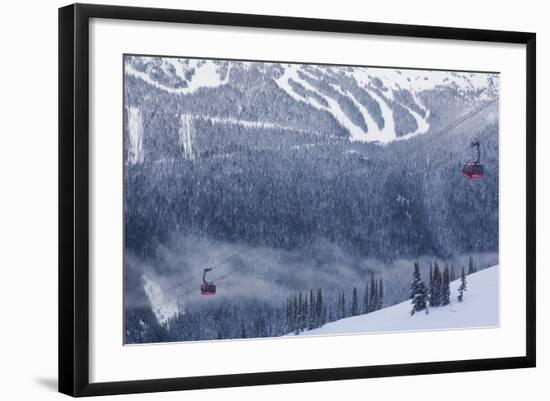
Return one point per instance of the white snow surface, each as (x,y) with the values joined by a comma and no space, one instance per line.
(479,308)
(163,308)
(185,135)
(135,131)
(251,124)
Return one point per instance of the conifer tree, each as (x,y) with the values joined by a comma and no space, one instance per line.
(287,316)
(305,310)
(330,316)
(354,311)
(418,291)
(462,286)
(311,313)
(243,330)
(295,327)
(300,316)
(344,313)
(435,289)
(380,295)
(319,308)
(373,291)
(366,299)
(445,287)
(453,276)
(471,267)
(338,307)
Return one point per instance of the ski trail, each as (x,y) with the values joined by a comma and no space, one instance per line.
(185,136)
(387,133)
(356,133)
(165,310)
(135,134)
(282,82)
(255,124)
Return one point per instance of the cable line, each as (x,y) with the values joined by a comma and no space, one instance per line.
(454,124)
(197,288)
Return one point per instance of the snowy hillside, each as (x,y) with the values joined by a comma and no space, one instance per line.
(369,104)
(480,308)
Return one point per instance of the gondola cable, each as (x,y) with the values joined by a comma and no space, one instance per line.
(197,288)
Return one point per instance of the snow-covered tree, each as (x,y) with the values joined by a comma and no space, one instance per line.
(445,287)
(320,309)
(330,315)
(418,291)
(435,287)
(471,267)
(311,312)
(305,310)
(296,314)
(380,297)
(354,309)
(373,294)
(341,306)
(344,311)
(365,308)
(462,286)
(243,329)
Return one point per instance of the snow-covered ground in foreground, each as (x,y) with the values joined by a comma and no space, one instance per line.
(480,308)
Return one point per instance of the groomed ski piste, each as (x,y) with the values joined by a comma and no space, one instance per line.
(479,309)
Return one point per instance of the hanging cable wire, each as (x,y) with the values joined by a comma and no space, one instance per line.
(460,120)
(180,283)
(197,288)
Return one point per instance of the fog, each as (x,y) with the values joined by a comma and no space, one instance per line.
(245,273)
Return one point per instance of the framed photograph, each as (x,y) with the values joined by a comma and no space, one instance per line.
(250,199)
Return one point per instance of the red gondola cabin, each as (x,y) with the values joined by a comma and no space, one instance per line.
(474,169)
(207,287)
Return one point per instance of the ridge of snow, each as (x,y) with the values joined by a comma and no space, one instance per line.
(415,80)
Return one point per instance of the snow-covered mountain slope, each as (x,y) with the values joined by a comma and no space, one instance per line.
(371,104)
(480,308)
(177,76)
(163,308)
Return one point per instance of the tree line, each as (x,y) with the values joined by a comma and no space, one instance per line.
(300,312)
(303,313)
(437,292)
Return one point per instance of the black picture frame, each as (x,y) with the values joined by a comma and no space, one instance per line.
(74,198)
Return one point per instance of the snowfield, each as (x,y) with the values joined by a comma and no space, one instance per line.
(480,308)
